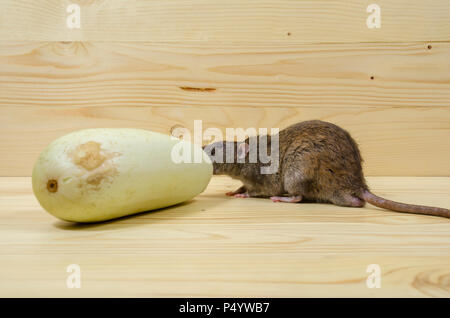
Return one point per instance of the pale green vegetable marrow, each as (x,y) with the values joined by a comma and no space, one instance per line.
(99,174)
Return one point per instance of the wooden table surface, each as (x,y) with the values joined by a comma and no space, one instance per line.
(220,246)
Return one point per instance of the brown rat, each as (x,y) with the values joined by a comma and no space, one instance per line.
(318,161)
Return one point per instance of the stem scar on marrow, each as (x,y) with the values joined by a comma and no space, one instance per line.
(52,185)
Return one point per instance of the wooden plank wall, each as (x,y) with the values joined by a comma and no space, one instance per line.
(237,63)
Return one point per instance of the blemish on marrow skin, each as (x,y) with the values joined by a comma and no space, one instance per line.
(66,180)
(96,161)
(96,178)
(198,89)
(88,155)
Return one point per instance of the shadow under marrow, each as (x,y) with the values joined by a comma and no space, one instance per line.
(176,211)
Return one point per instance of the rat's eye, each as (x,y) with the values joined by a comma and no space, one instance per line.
(213,151)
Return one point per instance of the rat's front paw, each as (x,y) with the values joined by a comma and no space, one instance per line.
(238,191)
(241,195)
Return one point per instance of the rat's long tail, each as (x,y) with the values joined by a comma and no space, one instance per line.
(403,207)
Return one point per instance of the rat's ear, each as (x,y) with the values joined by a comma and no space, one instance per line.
(242,150)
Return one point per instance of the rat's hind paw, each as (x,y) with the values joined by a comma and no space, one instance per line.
(294,199)
(348,200)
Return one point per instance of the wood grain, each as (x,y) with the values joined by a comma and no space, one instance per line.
(401,118)
(220,246)
(226,21)
(149,74)
(393,141)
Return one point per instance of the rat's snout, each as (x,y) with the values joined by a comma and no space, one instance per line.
(208,149)
(213,153)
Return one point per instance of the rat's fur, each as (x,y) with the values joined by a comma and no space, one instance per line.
(318,161)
